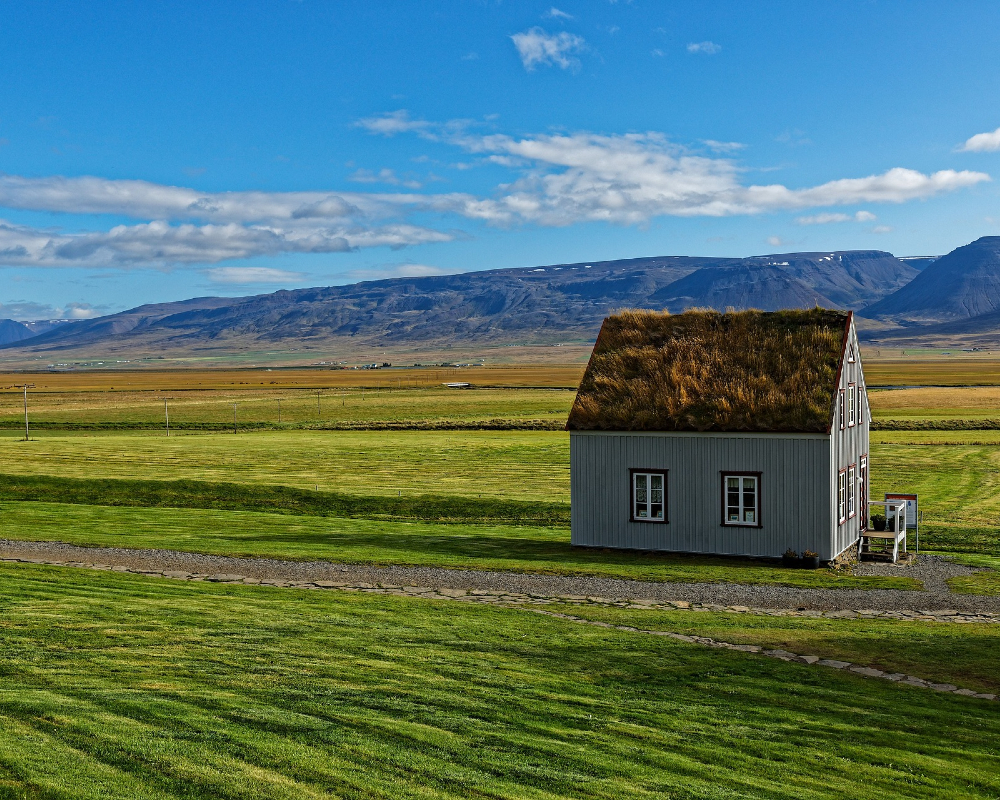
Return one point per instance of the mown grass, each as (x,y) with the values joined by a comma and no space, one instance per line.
(957,477)
(524,465)
(936,403)
(384,542)
(956,473)
(964,655)
(118,686)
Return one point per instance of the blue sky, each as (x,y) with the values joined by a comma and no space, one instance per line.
(159,151)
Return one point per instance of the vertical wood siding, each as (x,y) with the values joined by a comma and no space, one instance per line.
(849,445)
(794,499)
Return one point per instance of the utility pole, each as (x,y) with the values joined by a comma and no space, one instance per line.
(25,386)
(166,413)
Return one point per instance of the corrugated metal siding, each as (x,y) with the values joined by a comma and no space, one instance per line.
(795,499)
(849,445)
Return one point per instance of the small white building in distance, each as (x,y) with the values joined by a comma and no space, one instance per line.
(744,433)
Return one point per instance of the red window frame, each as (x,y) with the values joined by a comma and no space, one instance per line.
(842,409)
(852,491)
(842,504)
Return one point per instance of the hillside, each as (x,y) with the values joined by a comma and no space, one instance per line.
(534,305)
(963,284)
(11,331)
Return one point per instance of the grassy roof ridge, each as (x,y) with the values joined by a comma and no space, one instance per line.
(709,371)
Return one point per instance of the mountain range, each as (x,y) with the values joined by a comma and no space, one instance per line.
(903,299)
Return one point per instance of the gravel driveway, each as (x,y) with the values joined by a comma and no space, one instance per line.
(931,570)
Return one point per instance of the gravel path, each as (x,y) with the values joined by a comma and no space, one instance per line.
(933,571)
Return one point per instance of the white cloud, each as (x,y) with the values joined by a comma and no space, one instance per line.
(536,46)
(982,142)
(159,243)
(80,311)
(723,147)
(775,241)
(392,123)
(826,219)
(632,178)
(407,270)
(709,48)
(882,229)
(384,176)
(555,13)
(26,311)
(251,275)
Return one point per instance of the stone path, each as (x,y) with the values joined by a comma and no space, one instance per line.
(497,588)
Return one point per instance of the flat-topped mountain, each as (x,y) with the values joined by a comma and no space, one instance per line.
(551,304)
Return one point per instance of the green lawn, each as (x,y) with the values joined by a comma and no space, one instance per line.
(456,546)
(962,654)
(119,686)
(521,464)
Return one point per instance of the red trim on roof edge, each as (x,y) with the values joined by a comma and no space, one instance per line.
(840,370)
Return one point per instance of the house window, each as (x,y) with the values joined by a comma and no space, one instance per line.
(852,404)
(861,406)
(649,496)
(842,496)
(850,353)
(741,499)
(851,490)
(843,410)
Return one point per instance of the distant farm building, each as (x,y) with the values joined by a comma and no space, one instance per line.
(743,433)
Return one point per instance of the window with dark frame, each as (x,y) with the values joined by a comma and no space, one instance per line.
(649,495)
(741,499)
(842,408)
(850,353)
(842,496)
(851,490)
(861,406)
(852,404)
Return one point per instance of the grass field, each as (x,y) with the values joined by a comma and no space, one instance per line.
(519,548)
(956,474)
(964,655)
(119,686)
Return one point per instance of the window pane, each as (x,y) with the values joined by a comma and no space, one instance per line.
(640,510)
(733,483)
(656,512)
(655,481)
(640,481)
(748,516)
(656,495)
(640,495)
(750,484)
(749,500)
(733,499)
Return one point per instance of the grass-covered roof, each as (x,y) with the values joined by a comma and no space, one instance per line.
(708,371)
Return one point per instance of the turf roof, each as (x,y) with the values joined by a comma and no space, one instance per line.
(708,371)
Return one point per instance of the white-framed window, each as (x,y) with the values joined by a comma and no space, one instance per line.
(852,404)
(649,495)
(842,409)
(851,358)
(851,490)
(861,406)
(741,499)
(842,496)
